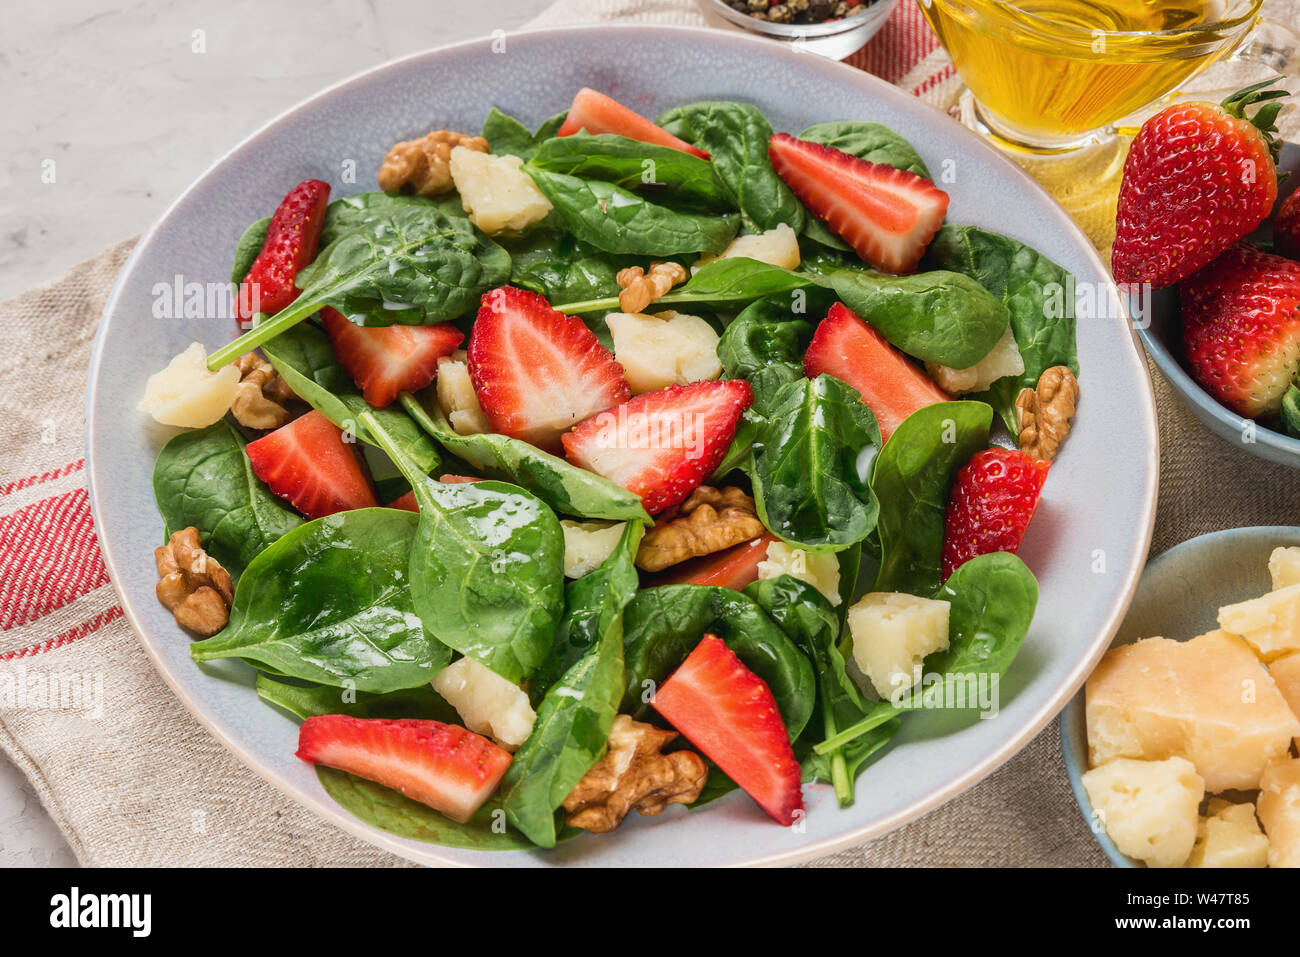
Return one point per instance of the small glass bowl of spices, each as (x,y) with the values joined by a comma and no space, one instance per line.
(831,28)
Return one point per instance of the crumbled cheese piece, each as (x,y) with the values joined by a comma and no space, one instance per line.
(1149,808)
(494,191)
(457,397)
(588,544)
(486,702)
(670,348)
(892,633)
(187,394)
(819,569)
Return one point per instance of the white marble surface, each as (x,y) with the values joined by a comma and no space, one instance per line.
(127,103)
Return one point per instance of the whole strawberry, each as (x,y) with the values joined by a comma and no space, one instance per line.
(992,499)
(1241,328)
(1286,227)
(1198,178)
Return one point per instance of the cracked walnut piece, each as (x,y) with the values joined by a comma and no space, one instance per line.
(707,522)
(192,586)
(640,288)
(423,166)
(633,774)
(1044,413)
(260,395)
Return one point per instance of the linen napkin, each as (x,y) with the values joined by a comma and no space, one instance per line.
(132,779)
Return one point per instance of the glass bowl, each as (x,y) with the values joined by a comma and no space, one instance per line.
(834,39)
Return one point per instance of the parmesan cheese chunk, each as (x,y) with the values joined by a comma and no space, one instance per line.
(457,397)
(1229,837)
(1284,567)
(588,544)
(1270,624)
(670,348)
(1286,675)
(486,702)
(186,394)
(892,633)
(778,246)
(1207,700)
(1149,808)
(1003,359)
(1279,809)
(819,569)
(495,192)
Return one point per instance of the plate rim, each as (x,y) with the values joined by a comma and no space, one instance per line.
(1145,397)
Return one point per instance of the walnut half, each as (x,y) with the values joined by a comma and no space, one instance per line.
(708,521)
(261,394)
(423,166)
(193,586)
(1044,413)
(640,288)
(634,774)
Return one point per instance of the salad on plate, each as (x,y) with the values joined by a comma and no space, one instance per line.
(614,465)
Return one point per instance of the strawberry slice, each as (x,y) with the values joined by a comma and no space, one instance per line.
(442,765)
(887,215)
(662,445)
(726,711)
(538,372)
(308,463)
(291,242)
(385,361)
(735,567)
(407,502)
(597,113)
(891,385)
(992,499)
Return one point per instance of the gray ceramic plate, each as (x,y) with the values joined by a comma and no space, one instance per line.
(1087,543)
(1163,340)
(1179,597)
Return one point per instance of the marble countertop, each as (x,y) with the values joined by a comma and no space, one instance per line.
(113,108)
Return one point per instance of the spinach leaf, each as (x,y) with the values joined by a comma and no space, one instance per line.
(247,249)
(593,604)
(738,453)
(203,478)
(993,598)
(910,477)
(330,603)
(563,269)
(576,713)
(764,345)
(411,264)
(735,135)
(728,284)
(506,135)
(486,567)
(355,212)
(873,142)
(1038,294)
(662,625)
(307,700)
(565,487)
(304,357)
(395,813)
(942,317)
(805,474)
(666,174)
(612,219)
(1291,412)
(813,625)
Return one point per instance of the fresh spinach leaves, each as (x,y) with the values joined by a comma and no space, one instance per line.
(562,268)
(248,248)
(617,221)
(806,480)
(330,602)
(910,478)
(507,136)
(735,135)
(566,488)
(873,142)
(203,478)
(1038,294)
(350,213)
(577,711)
(420,702)
(486,567)
(764,345)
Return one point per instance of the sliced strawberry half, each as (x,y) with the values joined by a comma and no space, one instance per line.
(597,113)
(442,765)
(308,463)
(886,214)
(385,361)
(292,239)
(891,385)
(735,567)
(992,499)
(538,372)
(662,445)
(728,712)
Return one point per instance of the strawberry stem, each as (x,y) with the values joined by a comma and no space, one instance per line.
(1265,118)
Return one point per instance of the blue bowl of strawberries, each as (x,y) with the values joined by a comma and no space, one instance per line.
(1208,245)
